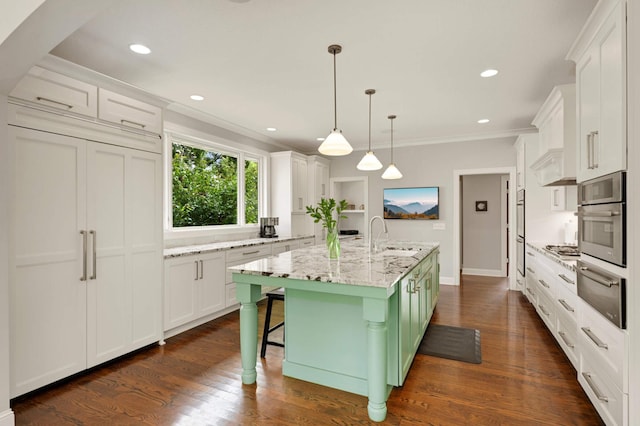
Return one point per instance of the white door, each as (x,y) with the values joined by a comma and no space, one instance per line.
(48,297)
(124,283)
(180,290)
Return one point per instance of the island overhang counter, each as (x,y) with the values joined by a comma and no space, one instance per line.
(352,324)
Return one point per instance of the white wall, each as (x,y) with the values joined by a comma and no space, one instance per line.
(481,231)
(428,165)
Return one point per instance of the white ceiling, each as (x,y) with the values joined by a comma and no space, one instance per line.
(264,63)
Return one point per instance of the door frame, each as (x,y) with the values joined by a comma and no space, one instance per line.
(457,244)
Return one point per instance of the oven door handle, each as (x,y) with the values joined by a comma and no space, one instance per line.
(599,214)
(600,279)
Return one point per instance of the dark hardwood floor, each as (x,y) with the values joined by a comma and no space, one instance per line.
(524,379)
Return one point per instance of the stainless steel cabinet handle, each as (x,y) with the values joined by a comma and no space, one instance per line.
(411,286)
(197,270)
(566,279)
(544,311)
(201,269)
(567,342)
(594,388)
(322,192)
(125,122)
(247,253)
(566,305)
(41,99)
(529,291)
(589,149)
(598,214)
(599,343)
(84,255)
(531,270)
(95,263)
(597,277)
(530,254)
(544,283)
(594,140)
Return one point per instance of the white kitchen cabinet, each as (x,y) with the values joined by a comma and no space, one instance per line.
(284,246)
(238,256)
(600,57)
(318,186)
(194,287)
(128,112)
(556,163)
(289,193)
(56,91)
(86,253)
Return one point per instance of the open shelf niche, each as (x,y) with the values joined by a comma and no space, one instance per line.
(355,190)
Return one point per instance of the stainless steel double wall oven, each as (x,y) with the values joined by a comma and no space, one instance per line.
(602,235)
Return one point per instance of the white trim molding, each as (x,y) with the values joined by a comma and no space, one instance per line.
(457,174)
(482,272)
(7,418)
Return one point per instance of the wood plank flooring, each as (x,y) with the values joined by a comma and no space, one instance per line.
(524,379)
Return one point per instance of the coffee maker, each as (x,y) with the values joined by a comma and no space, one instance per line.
(268,227)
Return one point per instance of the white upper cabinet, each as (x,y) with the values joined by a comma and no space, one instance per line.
(290,193)
(599,53)
(53,90)
(127,112)
(555,121)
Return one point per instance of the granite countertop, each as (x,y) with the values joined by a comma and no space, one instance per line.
(356,266)
(224,245)
(570,264)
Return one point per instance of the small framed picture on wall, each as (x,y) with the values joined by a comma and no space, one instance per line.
(481,206)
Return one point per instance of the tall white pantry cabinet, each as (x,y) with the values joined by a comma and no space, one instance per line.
(85,243)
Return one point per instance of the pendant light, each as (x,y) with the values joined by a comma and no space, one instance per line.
(335,144)
(392,171)
(369,161)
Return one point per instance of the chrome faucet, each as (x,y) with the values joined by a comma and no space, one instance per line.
(374,246)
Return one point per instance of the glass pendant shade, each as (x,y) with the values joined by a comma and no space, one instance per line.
(369,162)
(392,172)
(335,144)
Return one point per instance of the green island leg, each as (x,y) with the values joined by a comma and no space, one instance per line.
(248,295)
(376,313)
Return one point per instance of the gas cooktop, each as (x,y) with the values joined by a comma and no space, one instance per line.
(563,250)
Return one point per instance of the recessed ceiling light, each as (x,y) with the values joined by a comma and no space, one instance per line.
(319,139)
(140,49)
(271,129)
(483,120)
(488,73)
(197,97)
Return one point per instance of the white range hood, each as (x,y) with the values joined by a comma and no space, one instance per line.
(556,122)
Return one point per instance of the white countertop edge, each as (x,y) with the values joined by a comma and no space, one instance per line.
(224,245)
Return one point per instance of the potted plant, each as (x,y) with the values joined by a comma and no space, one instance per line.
(324,212)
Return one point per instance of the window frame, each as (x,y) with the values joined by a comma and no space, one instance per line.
(225,147)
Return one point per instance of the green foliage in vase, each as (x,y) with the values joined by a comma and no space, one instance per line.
(323,212)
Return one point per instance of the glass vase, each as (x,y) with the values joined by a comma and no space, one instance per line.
(333,244)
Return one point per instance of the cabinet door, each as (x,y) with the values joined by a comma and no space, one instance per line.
(211,283)
(129,112)
(124,285)
(406,341)
(180,274)
(47,296)
(57,91)
(601,86)
(299,185)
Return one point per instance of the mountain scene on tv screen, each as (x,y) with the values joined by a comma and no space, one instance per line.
(413,210)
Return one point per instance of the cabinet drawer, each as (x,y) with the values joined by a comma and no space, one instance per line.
(567,337)
(547,311)
(129,112)
(604,343)
(307,242)
(277,248)
(247,254)
(611,403)
(567,303)
(57,91)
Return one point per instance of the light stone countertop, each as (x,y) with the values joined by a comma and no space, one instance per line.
(224,245)
(570,264)
(356,265)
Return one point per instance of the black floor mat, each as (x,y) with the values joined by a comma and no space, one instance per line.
(444,341)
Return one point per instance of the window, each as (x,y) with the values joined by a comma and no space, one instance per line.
(212,185)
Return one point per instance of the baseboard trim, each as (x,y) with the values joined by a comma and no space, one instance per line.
(482,272)
(446,280)
(7,418)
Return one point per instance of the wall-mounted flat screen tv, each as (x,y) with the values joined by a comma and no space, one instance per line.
(411,203)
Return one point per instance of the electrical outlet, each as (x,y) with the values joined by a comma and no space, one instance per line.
(439,226)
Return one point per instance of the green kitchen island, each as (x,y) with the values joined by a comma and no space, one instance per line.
(353,324)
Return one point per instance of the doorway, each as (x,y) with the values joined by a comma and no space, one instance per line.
(482,214)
